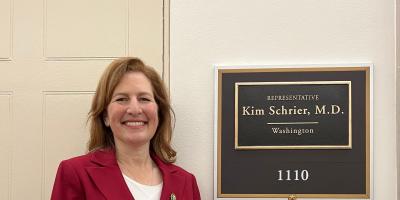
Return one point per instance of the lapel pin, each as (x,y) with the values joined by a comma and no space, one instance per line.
(172,197)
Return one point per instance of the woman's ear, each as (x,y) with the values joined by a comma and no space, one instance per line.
(106,120)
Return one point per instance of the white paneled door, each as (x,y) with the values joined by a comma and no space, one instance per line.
(52,53)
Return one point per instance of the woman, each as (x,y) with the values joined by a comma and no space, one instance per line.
(130,154)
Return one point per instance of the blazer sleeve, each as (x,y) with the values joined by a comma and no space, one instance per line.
(196,192)
(67,185)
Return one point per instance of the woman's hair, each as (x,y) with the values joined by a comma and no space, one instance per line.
(101,136)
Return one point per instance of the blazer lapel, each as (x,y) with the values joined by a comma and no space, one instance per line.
(173,184)
(108,177)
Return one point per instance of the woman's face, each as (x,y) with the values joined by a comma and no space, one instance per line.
(133,112)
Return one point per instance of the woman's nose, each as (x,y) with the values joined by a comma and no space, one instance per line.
(134,108)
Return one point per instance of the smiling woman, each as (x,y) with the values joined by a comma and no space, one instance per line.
(132,112)
(130,154)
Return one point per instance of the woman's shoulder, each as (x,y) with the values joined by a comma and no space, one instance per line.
(171,168)
(90,158)
(78,160)
(176,177)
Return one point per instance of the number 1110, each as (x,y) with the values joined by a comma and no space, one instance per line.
(293,175)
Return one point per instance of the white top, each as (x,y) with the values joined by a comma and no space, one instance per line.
(143,192)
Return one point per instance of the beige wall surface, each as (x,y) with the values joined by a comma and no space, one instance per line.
(214,32)
(398,90)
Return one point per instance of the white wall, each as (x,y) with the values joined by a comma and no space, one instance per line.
(398,89)
(215,32)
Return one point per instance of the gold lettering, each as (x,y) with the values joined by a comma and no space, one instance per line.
(335,109)
(251,111)
(319,110)
(273,110)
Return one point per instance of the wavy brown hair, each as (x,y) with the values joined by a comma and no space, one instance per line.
(102,137)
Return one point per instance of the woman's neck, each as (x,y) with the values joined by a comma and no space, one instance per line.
(137,157)
(136,163)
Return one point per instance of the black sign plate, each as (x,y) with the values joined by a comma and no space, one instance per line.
(300,132)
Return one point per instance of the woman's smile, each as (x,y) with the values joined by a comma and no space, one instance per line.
(134,124)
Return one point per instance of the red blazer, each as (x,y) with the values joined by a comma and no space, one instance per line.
(96,176)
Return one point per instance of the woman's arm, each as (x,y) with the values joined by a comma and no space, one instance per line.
(67,185)
(196,192)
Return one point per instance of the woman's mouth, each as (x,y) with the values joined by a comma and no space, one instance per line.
(134,123)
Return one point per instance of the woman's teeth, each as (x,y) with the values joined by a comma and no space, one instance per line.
(134,123)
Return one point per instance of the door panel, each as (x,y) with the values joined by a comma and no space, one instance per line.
(63,109)
(86,29)
(5,144)
(5,33)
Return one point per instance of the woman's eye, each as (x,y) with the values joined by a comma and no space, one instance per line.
(144,99)
(121,99)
